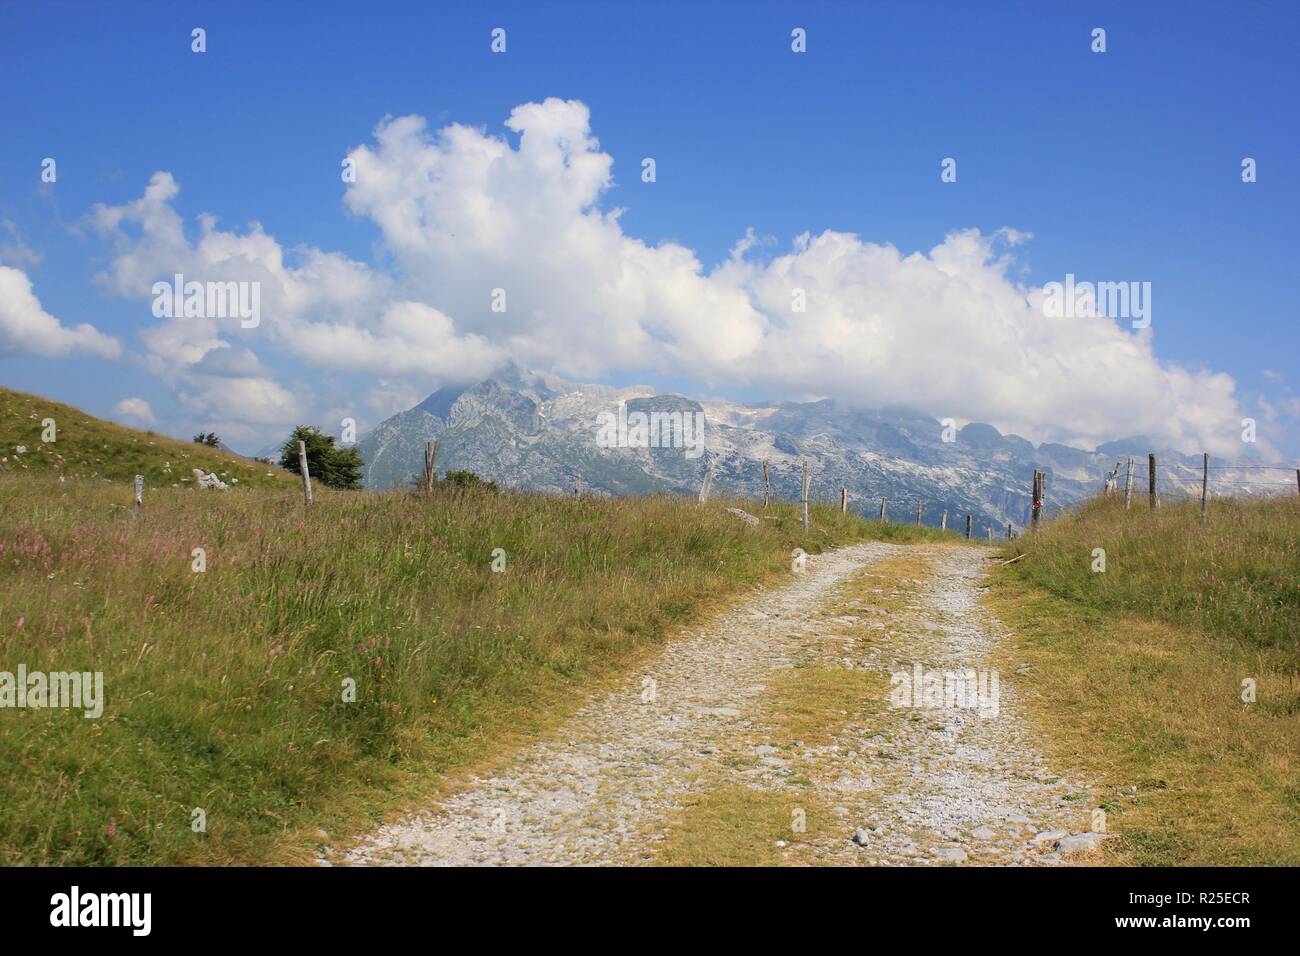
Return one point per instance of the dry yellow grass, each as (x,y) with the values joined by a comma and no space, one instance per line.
(809,705)
(1140,671)
(735,824)
(743,824)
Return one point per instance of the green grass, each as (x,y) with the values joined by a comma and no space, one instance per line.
(224,688)
(1237,575)
(85,447)
(900,533)
(1137,672)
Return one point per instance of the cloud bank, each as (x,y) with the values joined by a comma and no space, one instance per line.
(471,220)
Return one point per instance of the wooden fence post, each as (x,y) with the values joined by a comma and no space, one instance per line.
(139,494)
(804,498)
(306,476)
(767,487)
(989,529)
(1008,530)
(577,486)
(1128,484)
(430,465)
(943,522)
(844,500)
(968,527)
(1151,479)
(918,511)
(1109,485)
(1205,485)
(1297,481)
(708,483)
(883,500)
(1035,502)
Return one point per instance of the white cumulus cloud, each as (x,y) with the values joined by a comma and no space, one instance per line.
(470,218)
(27,329)
(948,331)
(135,410)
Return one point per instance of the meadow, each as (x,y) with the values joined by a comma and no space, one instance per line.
(228,688)
(1171,677)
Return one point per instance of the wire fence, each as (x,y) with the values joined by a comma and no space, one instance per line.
(1219,479)
(1174,483)
(1179,483)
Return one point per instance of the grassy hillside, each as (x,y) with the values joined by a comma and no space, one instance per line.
(225,686)
(89,447)
(1139,671)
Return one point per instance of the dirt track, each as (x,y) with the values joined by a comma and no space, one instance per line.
(949,785)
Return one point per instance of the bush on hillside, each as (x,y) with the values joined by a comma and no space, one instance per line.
(327,463)
(467,479)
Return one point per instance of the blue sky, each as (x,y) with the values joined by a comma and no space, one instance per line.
(1123,166)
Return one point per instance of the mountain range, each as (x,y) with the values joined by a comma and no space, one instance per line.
(529,430)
